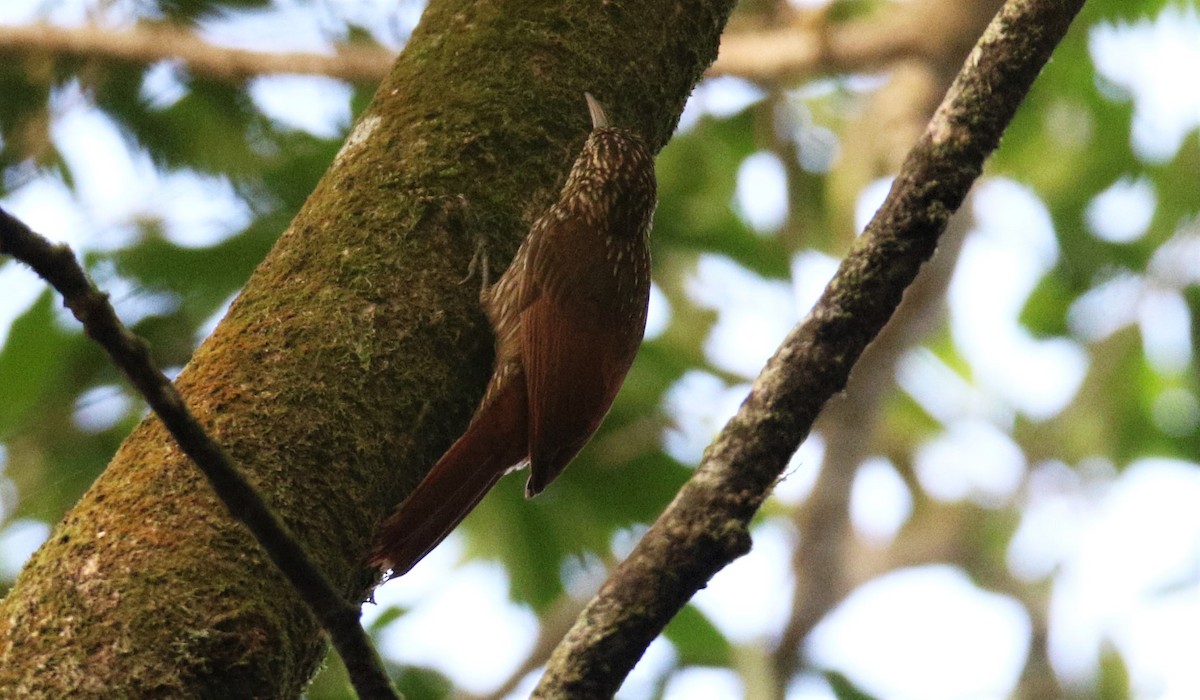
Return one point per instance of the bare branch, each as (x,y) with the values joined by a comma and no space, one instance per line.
(808,47)
(804,50)
(794,52)
(847,423)
(812,45)
(706,526)
(362,64)
(57,265)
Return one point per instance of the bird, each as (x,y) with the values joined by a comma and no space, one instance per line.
(568,317)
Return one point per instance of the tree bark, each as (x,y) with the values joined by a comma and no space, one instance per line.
(352,358)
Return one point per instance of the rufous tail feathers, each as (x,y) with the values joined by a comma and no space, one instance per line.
(455,485)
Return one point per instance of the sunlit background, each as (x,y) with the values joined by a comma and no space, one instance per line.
(1025,515)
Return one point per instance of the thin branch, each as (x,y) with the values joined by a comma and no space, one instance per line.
(792,53)
(812,45)
(707,525)
(806,49)
(58,266)
(848,425)
(360,64)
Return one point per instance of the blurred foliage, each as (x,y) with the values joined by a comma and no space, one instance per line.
(1070,142)
(844,689)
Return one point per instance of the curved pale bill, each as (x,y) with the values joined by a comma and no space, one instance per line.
(599,118)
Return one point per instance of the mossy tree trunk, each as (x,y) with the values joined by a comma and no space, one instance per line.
(352,358)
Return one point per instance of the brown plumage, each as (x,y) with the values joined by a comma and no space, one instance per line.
(568,316)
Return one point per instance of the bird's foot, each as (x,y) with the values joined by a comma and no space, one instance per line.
(479,264)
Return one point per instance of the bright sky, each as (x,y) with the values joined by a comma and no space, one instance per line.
(1124,548)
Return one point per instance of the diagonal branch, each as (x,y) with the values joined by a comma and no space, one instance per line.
(706,526)
(57,265)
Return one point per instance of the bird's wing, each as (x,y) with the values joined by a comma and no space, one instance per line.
(574,361)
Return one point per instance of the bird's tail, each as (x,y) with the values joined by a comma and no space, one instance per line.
(495,441)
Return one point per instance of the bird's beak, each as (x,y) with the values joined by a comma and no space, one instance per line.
(599,118)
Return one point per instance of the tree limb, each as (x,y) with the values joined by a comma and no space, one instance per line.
(802,50)
(812,45)
(57,265)
(358,64)
(351,358)
(791,53)
(882,135)
(706,526)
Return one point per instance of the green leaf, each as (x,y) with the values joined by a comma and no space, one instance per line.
(697,640)
(843,688)
(187,11)
(32,362)
(1113,681)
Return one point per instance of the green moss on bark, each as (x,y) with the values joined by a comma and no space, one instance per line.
(352,358)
